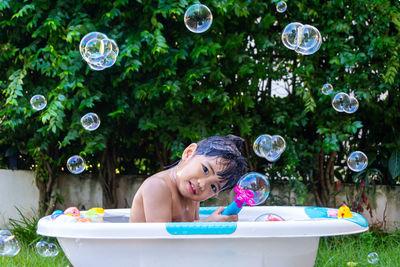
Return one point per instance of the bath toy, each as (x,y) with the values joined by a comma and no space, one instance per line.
(332,213)
(93,215)
(56,213)
(99,210)
(83,220)
(73,211)
(269,217)
(252,189)
(344,212)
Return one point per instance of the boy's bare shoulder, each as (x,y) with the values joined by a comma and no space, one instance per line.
(157,184)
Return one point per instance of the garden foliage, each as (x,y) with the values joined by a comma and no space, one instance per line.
(170,87)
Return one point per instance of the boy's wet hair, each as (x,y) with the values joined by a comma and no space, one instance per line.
(229,148)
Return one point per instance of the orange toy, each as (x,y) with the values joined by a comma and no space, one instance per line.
(83,220)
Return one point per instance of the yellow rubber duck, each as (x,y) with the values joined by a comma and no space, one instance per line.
(344,212)
(99,210)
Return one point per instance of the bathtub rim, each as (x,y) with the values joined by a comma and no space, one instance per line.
(244,229)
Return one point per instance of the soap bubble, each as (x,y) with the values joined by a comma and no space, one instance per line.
(353,105)
(87,38)
(52,250)
(95,67)
(281,7)
(262,145)
(357,161)
(289,35)
(76,164)
(373,258)
(309,40)
(198,18)
(90,121)
(42,248)
(304,39)
(38,102)
(15,248)
(272,156)
(269,217)
(111,53)
(278,144)
(277,148)
(258,184)
(98,50)
(327,89)
(5,233)
(9,245)
(269,147)
(340,102)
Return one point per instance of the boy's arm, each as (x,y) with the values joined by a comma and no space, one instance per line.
(157,201)
(216,216)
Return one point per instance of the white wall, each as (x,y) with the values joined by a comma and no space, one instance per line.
(18,189)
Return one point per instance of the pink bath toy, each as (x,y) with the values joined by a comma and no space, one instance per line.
(73,211)
(332,212)
(243,196)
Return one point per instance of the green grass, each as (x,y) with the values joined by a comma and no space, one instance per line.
(339,250)
(28,257)
(333,252)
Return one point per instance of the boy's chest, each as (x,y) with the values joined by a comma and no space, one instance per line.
(183,213)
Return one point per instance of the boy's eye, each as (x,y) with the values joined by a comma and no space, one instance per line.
(214,188)
(205,169)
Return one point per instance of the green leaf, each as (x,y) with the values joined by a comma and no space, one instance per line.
(394,164)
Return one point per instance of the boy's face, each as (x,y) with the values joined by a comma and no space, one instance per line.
(197,177)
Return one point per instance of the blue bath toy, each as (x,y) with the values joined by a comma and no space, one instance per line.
(56,213)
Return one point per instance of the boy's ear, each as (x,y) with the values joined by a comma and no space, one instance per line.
(189,151)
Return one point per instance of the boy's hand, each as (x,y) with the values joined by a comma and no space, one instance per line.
(216,216)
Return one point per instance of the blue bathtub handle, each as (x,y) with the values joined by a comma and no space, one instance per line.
(232,209)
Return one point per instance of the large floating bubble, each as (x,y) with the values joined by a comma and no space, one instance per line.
(76,164)
(357,161)
(198,18)
(52,250)
(269,217)
(98,51)
(90,121)
(269,147)
(304,39)
(262,145)
(327,89)
(353,105)
(9,245)
(289,35)
(41,248)
(340,102)
(373,258)
(309,40)
(277,148)
(38,102)
(87,38)
(281,7)
(258,184)
(5,233)
(278,144)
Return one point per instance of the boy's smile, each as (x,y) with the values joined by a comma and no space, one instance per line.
(192,188)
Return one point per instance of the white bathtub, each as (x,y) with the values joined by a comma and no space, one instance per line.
(115,242)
